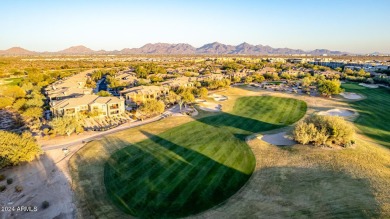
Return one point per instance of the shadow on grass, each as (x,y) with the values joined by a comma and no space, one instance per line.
(168,176)
(157,178)
(187,169)
(240,126)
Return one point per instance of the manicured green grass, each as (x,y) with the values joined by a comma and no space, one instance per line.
(195,166)
(374,119)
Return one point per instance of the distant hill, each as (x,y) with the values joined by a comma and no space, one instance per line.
(215,48)
(77,50)
(18,51)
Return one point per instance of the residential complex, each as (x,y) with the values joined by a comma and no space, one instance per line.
(104,106)
(137,95)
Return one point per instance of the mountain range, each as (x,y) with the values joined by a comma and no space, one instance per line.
(178,49)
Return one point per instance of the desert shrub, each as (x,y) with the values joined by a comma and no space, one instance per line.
(10,181)
(18,188)
(15,148)
(45,204)
(2,188)
(2,177)
(152,107)
(324,130)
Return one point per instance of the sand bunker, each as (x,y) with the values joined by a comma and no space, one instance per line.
(218,97)
(337,112)
(199,100)
(279,139)
(210,107)
(351,96)
(369,85)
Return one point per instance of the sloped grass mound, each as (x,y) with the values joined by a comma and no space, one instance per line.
(195,166)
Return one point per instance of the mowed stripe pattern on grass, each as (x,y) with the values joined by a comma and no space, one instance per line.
(195,166)
(374,112)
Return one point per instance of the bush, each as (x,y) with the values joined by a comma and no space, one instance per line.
(324,130)
(2,177)
(15,148)
(18,188)
(45,204)
(10,181)
(2,188)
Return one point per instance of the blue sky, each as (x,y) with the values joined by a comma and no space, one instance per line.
(346,25)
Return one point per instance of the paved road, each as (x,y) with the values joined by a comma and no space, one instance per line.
(83,139)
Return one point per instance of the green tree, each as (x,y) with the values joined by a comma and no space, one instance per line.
(141,72)
(34,76)
(151,107)
(18,104)
(258,78)
(13,92)
(307,81)
(329,87)
(103,93)
(348,71)
(171,98)
(155,79)
(15,148)
(5,102)
(248,79)
(285,75)
(33,113)
(186,97)
(66,125)
(202,93)
(236,79)
(35,101)
(114,83)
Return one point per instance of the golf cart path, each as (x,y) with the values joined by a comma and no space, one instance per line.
(80,139)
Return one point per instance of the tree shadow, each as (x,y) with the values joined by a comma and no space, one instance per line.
(164,177)
(157,178)
(238,123)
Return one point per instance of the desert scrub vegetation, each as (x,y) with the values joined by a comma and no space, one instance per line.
(45,204)
(15,148)
(324,131)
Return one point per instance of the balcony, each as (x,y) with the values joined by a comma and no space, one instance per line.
(114,106)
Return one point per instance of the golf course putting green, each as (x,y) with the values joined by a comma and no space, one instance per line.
(195,166)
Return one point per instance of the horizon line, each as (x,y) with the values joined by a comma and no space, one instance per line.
(101,49)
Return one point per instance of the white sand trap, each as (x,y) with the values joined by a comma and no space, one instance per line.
(210,107)
(337,112)
(369,85)
(199,100)
(351,96)
(279,139)
(218,97)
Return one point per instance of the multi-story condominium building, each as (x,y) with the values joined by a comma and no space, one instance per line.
(70,87)
(105,106)
(136,95)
